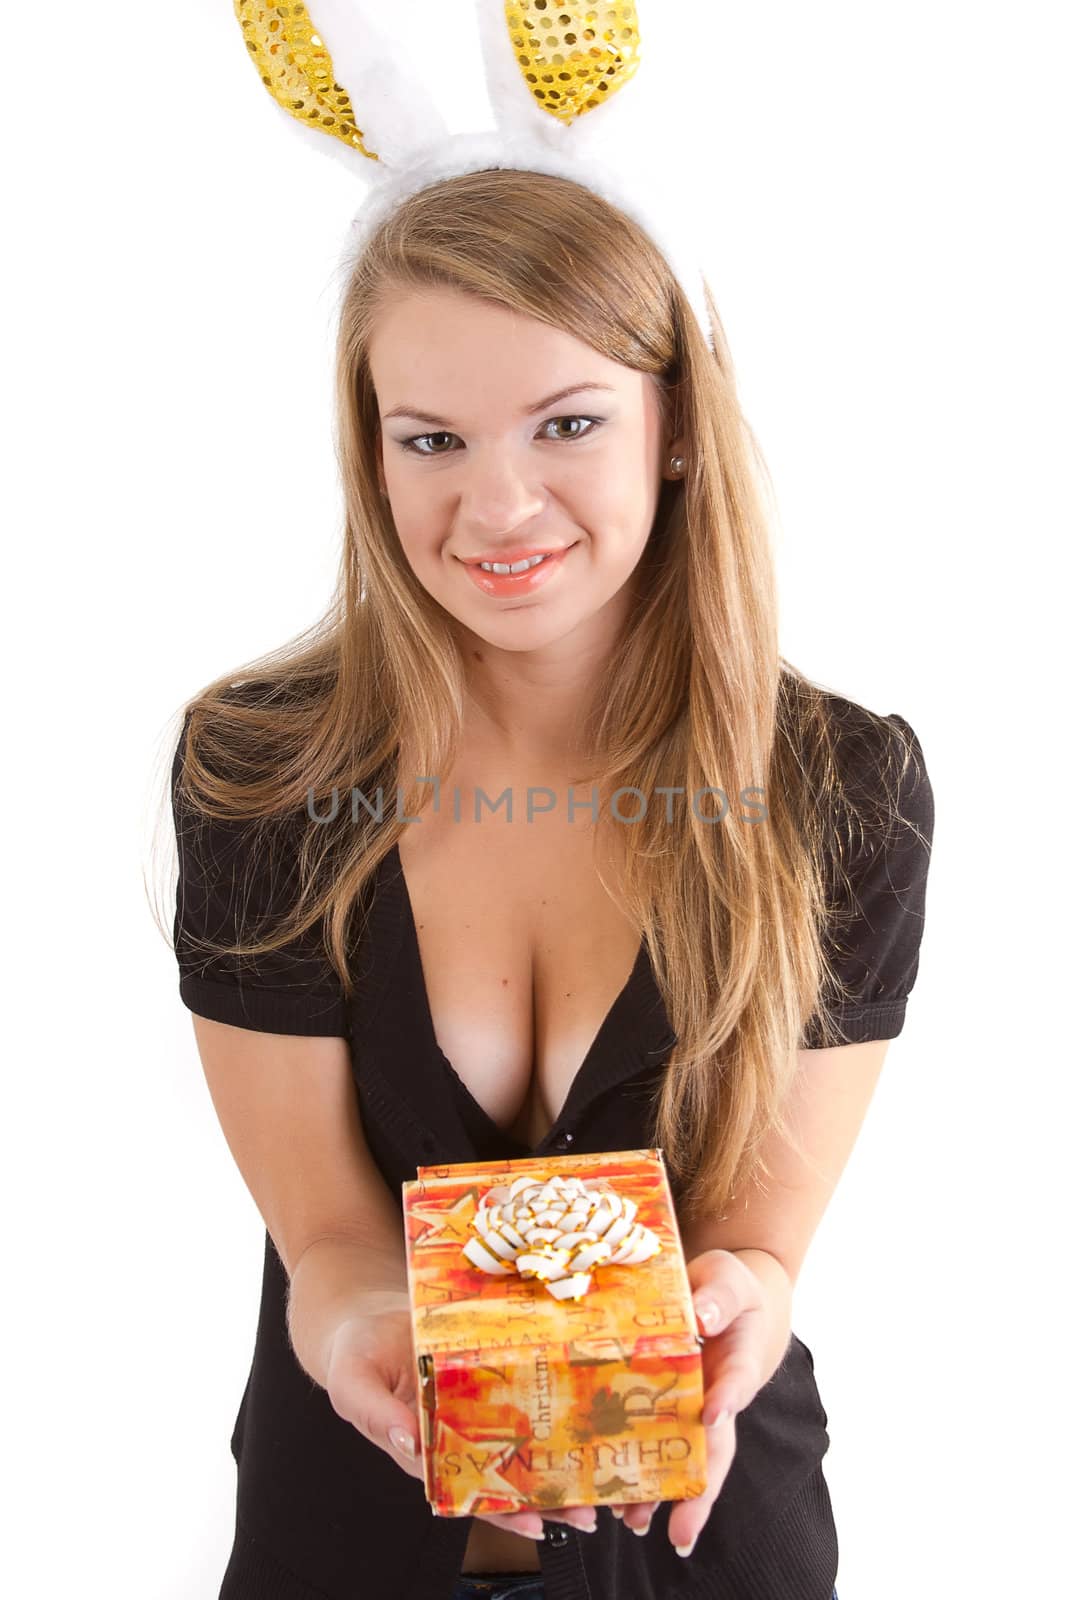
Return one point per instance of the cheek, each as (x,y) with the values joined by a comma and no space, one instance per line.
(622,490)
(618,511)
(418,522)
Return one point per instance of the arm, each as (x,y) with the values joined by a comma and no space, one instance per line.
(290,1115)
(747,1264)
(771,1227)
(288,1110)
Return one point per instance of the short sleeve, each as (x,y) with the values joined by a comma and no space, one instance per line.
(874,941)
(232,887)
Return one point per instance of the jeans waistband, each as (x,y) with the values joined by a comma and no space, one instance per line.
(500,1586)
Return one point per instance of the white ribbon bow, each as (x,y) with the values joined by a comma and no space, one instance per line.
(557,1230)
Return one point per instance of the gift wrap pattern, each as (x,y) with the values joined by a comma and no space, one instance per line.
(528,1400)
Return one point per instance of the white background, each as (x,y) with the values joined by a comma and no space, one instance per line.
(882,203)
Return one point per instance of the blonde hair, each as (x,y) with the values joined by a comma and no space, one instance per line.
(737,916)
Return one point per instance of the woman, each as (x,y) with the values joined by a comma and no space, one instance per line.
(712,962)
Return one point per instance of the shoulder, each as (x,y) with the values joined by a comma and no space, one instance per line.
(875,818)
(859,770)
(881,791)
(244,749)
(238,837)
(871,738)
(213,720)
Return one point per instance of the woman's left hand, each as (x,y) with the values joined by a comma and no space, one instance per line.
(742,1348)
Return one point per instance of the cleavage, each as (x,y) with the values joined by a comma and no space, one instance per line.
(523,956)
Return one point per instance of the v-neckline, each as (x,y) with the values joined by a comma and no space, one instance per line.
(641,966)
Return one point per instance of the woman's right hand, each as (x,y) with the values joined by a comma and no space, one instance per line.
(371,1384)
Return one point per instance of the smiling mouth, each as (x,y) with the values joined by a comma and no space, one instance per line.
(517,564)
(499,579)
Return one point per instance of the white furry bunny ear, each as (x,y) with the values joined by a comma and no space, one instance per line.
(564,84)
(338,75)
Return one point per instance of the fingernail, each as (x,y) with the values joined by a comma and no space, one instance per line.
(587,1526)
(642,1529)
(685,1549)
(720,1417)
(527,1533)
(616,1511)
(402,1441)
(707,1314)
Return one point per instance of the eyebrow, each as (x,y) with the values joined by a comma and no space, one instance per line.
(538,405)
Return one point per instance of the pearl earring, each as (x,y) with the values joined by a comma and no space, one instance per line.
(677,463)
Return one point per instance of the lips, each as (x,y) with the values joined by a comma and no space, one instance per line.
(501,585)
(511,557)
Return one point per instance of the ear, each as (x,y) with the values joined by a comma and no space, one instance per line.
(672,427)
(674,449)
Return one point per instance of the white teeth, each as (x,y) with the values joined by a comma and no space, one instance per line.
(502,567)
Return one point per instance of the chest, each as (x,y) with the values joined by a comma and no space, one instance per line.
(523,954)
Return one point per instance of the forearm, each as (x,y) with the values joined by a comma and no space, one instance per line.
(333,1280)
(779,1287)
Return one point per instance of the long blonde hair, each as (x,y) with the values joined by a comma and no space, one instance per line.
(736,915)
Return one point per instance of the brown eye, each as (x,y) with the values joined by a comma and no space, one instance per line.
(594,422)
(413,443)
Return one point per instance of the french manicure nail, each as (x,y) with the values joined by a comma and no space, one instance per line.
(402,1441)
(708,1314)
(642,1530)
(616,1511)
(720,1417)
(685,1549)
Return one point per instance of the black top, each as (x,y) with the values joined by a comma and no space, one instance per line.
(322,1513)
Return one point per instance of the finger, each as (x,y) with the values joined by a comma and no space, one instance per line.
(732,1364)
(580,1517)
(531,1522)
(637,1515)
(528,1523)
(364,1400)
(405,1445)
(723,1287)
(689,1516)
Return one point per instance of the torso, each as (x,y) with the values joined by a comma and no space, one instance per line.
(523,954)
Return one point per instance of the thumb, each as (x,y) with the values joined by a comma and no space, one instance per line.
(706,1284)
(403,1435)
(362,1397)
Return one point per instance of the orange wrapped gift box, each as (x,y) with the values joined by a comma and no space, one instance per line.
(557,1352)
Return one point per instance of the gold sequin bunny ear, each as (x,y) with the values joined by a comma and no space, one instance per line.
(581,77)
(547,56)
(587,93)
(348,86)
(592,92)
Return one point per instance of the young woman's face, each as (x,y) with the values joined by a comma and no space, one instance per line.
(483,457)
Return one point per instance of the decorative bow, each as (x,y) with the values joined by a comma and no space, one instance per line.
(557,1230)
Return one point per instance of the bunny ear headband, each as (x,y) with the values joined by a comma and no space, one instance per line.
(584,92)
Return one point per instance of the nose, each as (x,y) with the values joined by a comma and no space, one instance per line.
(496,496)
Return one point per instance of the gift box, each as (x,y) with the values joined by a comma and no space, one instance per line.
(557,1351)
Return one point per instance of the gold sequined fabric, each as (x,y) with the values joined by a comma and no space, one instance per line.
(573,57)
(296,68)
